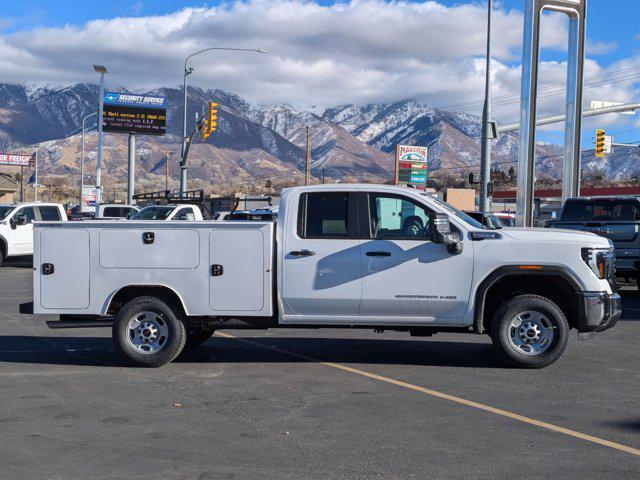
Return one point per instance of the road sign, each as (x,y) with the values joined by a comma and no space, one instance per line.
(608,141)
(16,160)
(131,113)
(601,104)
(411,166)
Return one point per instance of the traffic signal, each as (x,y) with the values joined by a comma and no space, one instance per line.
(211,122)
(600,142)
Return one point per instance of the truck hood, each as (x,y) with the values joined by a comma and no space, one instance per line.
(551,235)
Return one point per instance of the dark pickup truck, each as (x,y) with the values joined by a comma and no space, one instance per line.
(616,218)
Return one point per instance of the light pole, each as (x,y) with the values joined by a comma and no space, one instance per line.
(82,160)
(101,69)
(188,71)
(485,145)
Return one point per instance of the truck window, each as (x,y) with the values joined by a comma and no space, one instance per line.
(49,213)
(112,212)
(185,214)
(396,217)
(323,215)
(28,212)
(600,210)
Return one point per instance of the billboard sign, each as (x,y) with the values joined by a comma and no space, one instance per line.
(17,160)
(132,113)
(89,197)
(411,166)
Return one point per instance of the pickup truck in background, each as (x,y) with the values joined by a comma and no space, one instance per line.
(359,256)
(169,212)
(16,225)
(616,218)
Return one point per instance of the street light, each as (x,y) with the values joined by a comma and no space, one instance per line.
(101,69)
(188,71)
(82,159)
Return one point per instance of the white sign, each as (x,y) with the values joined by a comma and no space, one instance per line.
(601,104)
(608,139)
(16,160)
(89,197)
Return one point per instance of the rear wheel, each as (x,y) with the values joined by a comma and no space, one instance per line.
(147,331)
(529,331)
(3,253)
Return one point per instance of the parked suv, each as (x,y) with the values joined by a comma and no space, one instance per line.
(16,226)
(616,218)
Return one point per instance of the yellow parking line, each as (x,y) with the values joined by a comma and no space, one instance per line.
(452,398)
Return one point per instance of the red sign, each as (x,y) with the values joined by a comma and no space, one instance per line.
(16,160)
(404,164)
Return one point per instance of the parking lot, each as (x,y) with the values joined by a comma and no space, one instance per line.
(312,404)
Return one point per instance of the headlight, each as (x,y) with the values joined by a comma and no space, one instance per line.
(600,261)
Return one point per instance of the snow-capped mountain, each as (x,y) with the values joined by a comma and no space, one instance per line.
(258,140)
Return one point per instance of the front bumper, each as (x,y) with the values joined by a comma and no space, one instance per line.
(598,311)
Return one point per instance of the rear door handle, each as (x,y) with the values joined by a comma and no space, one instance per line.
(302,253)
(378,254)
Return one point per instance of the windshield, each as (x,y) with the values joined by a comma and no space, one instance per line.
(601,210)
(153,213)
(5,210)
(454,211)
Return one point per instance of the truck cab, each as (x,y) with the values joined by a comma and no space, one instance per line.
(357,256)
(168,213)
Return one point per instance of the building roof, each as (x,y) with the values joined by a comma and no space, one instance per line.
(7,183)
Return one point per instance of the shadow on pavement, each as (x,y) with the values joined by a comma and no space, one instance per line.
(18,262)
(99,351)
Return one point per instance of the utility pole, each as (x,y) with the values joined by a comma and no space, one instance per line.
(101,69)
(131,180)
(166,172)
(81,193)
(307,160)
(323,175)
(485,146)
(35,177)
(21,183)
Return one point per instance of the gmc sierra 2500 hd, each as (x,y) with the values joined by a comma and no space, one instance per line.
(362,256)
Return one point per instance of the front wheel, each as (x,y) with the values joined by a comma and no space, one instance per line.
(529,331)
(147,331)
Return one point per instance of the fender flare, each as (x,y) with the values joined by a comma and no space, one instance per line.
(515,270)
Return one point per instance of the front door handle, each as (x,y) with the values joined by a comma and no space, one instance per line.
(302,253)
(378,254)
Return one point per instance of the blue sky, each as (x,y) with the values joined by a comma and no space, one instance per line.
(310,70)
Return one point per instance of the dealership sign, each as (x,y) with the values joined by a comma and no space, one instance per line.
(132,113)
(17,160)
(411,166)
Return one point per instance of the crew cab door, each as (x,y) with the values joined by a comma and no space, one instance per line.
(321,266)
(405,277)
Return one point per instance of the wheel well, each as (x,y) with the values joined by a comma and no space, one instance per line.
(126,294)
(3,248)
(554,287)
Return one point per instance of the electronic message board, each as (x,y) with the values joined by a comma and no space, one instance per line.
(132,113)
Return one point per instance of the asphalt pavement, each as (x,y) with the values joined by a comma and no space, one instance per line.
(318,404)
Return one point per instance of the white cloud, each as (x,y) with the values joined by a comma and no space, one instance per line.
(360,51)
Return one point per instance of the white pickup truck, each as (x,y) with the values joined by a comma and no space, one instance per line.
(361,256)
(16,225)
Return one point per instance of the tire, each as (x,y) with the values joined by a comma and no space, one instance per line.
(196,337)
(147,332)
(3,253)
(529,331)
(412,226)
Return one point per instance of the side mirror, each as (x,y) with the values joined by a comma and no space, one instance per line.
(441,232)
(21,220)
